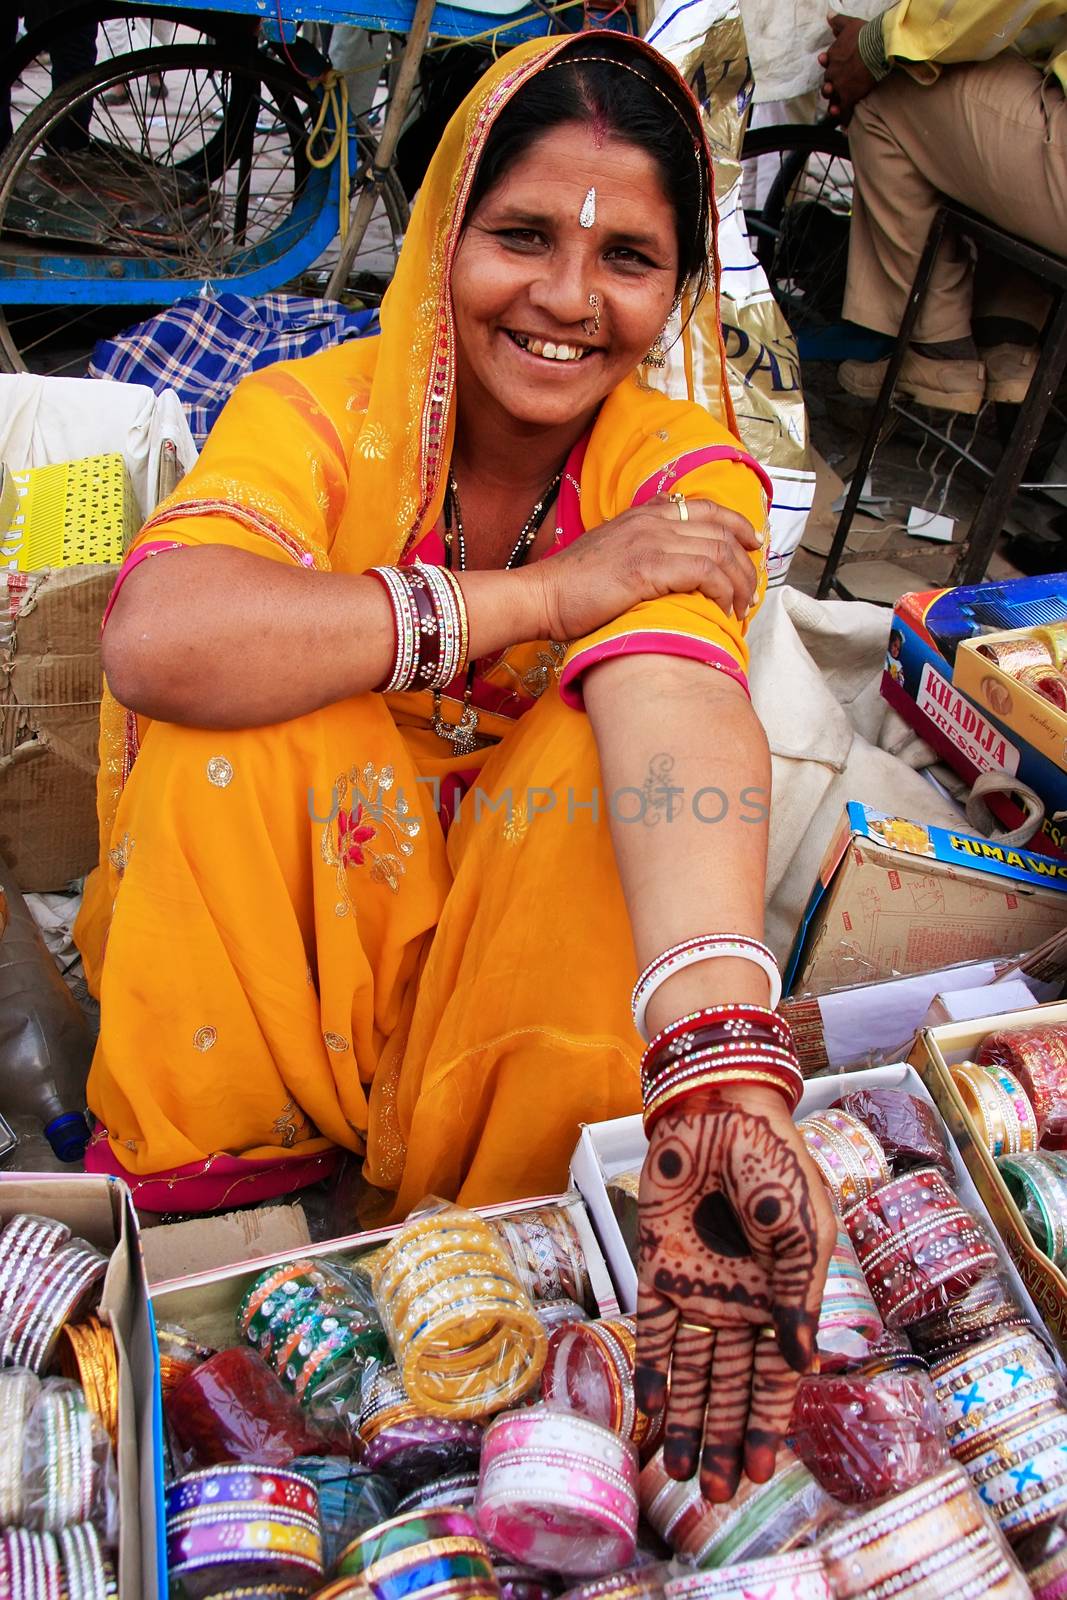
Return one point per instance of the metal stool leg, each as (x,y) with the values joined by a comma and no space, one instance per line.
(882,404)
(988,521)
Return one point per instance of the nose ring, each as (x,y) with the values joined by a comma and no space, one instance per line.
(591,332)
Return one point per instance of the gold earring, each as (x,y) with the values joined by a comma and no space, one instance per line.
(657,356)
(591,332)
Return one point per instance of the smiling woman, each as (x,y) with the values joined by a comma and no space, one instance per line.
(392,668)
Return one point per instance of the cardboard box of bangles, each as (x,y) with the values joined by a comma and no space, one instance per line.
(936,1052)
(100,1211)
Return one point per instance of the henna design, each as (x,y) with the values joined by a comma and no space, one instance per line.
(732,1238)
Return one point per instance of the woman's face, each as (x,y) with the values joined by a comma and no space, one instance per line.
(526,267)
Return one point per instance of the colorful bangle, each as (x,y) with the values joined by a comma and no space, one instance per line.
(761,1519)
(1023,1477)
(984,1392)
(735,1021)
(849,1323)
(986,1309)
(705,947)
(18,1395)
(439,1553)
(1039,1188)
(850,1160)
(589,1370)
(799,1575)
(1037,1057)
(558,1491)
(243,1524)
(544,1246)
(431,626)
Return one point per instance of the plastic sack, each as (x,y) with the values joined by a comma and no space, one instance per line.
(235,1528)
(1037,1182)
(990,1306)
(762,1519)
(544,1246)
(46,1279)
(316,1326)
(867,1437)
(934,1542)
(351,1499)
(849,1323)
(406,1444)
(589,1370)
(461,1325)
(800,1575)
(68,1468)
(918,1247)
(232,1408)
(179,1353)
(558,1491)
(555,1314)
(906,1127)
(1037,1056)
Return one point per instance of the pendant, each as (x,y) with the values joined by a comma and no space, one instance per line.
(460,735)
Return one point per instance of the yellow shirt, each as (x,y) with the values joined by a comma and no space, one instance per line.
(924,35)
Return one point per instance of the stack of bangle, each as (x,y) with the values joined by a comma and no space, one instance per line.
(430,619)
(558,1491)
(986,1309)
(456,1492)
(932,1541)
(1037,1057)
(45,1278)
(716,1046)
(310,1325)
(42,1566)
(639,1583)
(762,1518)
(462,1327)
(998,1106)
(178,1355)
(850,1160)
(849,1323)
(918,1247)
(1037,1182)
(590,1370)
(800,1575)
(988,1390)
(405,1443)
(18,1395)
(1022,1477)
(438,1553)
(547,1252)
(59,1459)
(868,1437)
(704,947)
(521,1582)
(234,1525)
(351,1499)
(87,1354)
(233,1408)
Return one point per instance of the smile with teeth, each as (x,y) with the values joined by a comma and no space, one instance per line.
(548,350)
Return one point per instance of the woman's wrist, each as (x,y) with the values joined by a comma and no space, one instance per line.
(725,981)
(504,608)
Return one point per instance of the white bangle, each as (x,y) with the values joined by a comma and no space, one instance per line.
(709,947)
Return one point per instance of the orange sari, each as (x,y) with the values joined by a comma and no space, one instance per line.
(292,954)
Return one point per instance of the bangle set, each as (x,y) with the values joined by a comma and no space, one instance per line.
(988,1308)
(44,1566)
(849,1322)
(761,1519)
(462,1328)
(87,1354)
(558,1491)
(243,1525)
(1037,1182)
(589,1370)
(867,1437)
(918,1247)
(547,1253)
(1037,1058)
(725,1044)
(850,1160)
(705,947)
(439,1553)
(46,1278)
(430,623)
(1022,1478)
(406,1444)
(986,1392)
(933,1540)
(312,1326)
(998,1105)
(351,1499)
(799,1575)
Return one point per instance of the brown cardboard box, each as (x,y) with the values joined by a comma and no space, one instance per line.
(176,1249)
(50,686)
(895,897)
(935,1051)
(101,1210)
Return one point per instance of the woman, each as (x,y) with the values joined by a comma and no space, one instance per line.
(300,955)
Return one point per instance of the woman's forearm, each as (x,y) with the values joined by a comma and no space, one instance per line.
(218,638)
(694,859)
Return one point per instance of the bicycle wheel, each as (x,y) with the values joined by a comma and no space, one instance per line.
(208,182)
(796,190)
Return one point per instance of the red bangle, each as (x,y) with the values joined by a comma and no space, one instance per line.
(737,1020)
(700,1083)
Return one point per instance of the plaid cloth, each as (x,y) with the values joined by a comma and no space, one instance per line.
(202,348)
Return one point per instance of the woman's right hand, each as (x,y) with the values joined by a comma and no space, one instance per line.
(644,554)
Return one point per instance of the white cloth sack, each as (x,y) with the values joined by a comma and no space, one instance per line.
(815,672)
(47,420)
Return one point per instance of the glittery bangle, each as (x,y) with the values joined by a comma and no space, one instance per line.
(736,1021)
(704,947)
(759,1519)
(984,1392)
(798,1575)
(1037,1185)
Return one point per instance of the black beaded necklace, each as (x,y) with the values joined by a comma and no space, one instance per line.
(462,734)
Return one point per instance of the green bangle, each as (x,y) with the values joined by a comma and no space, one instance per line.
(1033,1179)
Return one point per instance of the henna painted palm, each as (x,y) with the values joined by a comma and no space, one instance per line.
(735,1236)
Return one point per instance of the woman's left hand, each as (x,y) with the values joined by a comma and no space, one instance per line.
(736,1233)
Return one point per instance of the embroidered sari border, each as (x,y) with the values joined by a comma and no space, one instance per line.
(646,641)
(663,478)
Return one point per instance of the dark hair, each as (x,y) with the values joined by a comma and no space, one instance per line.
(626,92)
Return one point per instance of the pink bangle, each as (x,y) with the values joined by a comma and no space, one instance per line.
(558,1491)
(799,1575)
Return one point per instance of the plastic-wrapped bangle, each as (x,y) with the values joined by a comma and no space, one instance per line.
(215,1488)
(558,1491)
(415,1550)
(799,1575)
(979,1094)
(1037,1057)
(761,1519)
(1023,1118)
(984,1391)
(1040,1190)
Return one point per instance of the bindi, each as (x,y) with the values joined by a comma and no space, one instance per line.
(587,215)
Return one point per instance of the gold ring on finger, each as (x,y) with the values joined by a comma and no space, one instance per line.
(678,500)
(698,1327)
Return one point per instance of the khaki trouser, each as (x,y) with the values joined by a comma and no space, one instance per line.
(993,136)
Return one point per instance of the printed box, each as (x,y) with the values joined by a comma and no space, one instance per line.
(1034,720)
